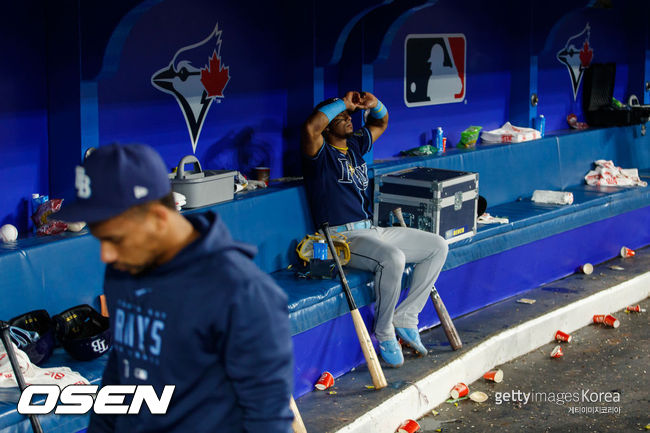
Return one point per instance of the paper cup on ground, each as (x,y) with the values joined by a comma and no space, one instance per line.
(587,269)
(599,318)
(325,381)
(494,376)
(563,336)
(557,352)
(635,309)
(478,396)
(611,321)
(627,252)
(458,391)
(408,426)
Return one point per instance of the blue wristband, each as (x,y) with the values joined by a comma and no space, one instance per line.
(379,111)
(334,109)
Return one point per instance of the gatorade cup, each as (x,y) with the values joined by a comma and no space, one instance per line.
(458,391)
(325,381)
(494,375)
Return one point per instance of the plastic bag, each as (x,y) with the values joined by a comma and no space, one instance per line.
(469,137)
(420,151)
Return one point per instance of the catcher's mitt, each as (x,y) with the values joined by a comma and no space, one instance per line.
(305,248)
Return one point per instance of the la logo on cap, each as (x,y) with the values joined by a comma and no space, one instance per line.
(140,191)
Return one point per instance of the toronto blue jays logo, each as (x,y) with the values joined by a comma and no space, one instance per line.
(195,77)
(576,56)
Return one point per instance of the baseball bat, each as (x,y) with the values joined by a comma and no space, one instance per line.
(443,315)
(297,425)
(400,218)
(15,366)
(377,374)
(445,320)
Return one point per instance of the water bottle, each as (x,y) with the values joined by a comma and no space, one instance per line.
(540,124)
(320,250)
(437,139)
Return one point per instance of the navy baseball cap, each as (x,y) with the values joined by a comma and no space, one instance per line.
(114,178)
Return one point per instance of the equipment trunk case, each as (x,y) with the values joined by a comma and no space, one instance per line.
(434,200)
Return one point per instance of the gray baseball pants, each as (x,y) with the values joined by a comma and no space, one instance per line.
(385,251)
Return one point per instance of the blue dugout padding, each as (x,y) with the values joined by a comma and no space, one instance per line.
(541,243)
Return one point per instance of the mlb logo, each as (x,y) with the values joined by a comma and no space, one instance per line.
(434,69)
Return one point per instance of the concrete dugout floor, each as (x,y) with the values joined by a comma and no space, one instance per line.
(491,337)
(598,359)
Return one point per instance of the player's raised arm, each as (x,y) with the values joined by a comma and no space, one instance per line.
(311,135)
(377,120)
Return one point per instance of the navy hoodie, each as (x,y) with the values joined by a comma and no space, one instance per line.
(210,322)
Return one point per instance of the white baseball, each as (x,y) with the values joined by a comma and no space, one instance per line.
(8,233)
(76,227)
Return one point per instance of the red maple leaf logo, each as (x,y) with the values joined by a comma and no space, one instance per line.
(586,54)
(214,77)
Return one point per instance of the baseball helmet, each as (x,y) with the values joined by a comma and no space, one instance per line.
(37,336)
(83,332)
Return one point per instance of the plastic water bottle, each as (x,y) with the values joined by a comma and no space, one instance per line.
(540,124)
(320,250)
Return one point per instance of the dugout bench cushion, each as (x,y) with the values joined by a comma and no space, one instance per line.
(313,302)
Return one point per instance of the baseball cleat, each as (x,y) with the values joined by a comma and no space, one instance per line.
(412,337)
(391,352)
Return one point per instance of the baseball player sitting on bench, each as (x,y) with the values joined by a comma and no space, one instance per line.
(336,179)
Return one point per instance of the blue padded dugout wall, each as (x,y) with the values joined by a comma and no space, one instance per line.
(98,86)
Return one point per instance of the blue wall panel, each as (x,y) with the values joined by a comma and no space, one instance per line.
(23,115)
(271,51)
(487,84)
(240,131)
(609,44)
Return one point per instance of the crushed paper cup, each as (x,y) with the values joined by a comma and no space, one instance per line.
(635,309)
(587,269)
(627,252)
(611,321)
(459,390)
(557,352)
(408,426)
(563,336)
(599,318)
(526,301)
(494,376)
(478,396)
(325,381)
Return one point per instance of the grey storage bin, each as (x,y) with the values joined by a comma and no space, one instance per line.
(202,187)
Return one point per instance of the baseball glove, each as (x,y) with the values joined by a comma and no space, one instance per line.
(305,248)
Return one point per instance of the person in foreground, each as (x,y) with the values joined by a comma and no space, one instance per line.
(187,305)
(336,179)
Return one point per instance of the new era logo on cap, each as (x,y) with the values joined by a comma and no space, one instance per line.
(140,191)
(114,178)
